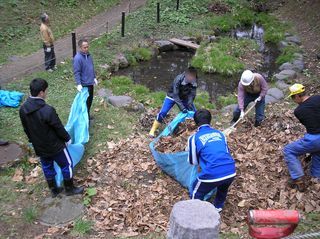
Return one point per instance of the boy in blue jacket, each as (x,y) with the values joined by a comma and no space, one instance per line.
(208,148)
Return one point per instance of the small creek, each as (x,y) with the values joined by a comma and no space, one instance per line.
(158,73)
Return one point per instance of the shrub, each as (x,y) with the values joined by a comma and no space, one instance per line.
(226,100)
(203,101)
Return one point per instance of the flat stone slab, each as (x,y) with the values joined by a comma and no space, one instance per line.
(286,75)
(194,219)
(61,210)
(120,101)
(275,93)
(11,153)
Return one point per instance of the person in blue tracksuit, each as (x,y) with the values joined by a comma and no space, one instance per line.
(181,93)
(308,113)
(209,150)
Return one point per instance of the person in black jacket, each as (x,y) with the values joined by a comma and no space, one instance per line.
(48,137)
(182,93)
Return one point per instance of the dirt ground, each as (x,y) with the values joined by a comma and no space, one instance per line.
(63,47)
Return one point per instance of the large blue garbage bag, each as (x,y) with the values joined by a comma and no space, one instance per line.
(176,164)
(10,98)
(78,129)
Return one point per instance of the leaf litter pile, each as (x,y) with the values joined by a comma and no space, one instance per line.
(134,197)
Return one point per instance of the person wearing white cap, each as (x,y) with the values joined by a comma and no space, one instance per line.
(252,88)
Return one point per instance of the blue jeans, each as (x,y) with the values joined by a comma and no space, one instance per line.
(260,106)
(63,159)
(310,143)
(168,103)
(201,189)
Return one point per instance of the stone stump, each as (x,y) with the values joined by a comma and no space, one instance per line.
(194,219)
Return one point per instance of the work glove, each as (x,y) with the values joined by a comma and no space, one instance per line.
(95,81)
(79,88)
(258,99)
(69,142)
(48,49)
(185,111)
(241,114)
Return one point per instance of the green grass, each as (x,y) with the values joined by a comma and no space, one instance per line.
(19,25)
(310,224)
(203,101)
(30,214)
(223,56)
(226,100)
(81,227)
(287,54)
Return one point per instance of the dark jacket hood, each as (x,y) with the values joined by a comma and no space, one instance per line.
(33,104)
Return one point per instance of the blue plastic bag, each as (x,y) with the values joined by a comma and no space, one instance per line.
(10,98)
(78,129)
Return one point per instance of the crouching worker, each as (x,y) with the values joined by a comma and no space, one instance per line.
(308,113)
(182,93)
(209,150)
(48,137)
(252,88)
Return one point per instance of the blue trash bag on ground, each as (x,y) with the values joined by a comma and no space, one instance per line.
(10,98)
(176,164)
(78,129)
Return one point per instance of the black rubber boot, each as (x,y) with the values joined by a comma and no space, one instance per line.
(71,189)
(53,187)
(257,123)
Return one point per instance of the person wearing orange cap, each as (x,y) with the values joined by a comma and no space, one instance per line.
(252,88)
(308,113)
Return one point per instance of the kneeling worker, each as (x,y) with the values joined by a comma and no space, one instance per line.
(208,148)
(48,137)
(308,113)
(182,92)
(252,88)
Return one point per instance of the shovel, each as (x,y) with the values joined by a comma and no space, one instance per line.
(232,128)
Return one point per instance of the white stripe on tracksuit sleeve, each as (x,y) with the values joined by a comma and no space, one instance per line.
(192,152)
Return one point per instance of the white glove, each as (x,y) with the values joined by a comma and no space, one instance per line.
(241,114)
(69,142)
(79,88)
(95,81)
(258,99)
(48,49)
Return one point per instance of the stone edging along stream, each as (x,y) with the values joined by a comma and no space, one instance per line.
(288,71)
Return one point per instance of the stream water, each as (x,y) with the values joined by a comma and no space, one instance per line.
(158,73)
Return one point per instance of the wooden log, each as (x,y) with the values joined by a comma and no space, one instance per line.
(194,219)
(184,43)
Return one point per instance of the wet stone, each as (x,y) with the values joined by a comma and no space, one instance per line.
(61,210)
(194,219)
(9,154)
(164,45)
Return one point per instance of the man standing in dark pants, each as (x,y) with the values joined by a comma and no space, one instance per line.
(83,70)
(47,38)
(48,137)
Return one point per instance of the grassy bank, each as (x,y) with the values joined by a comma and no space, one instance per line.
(19,25)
